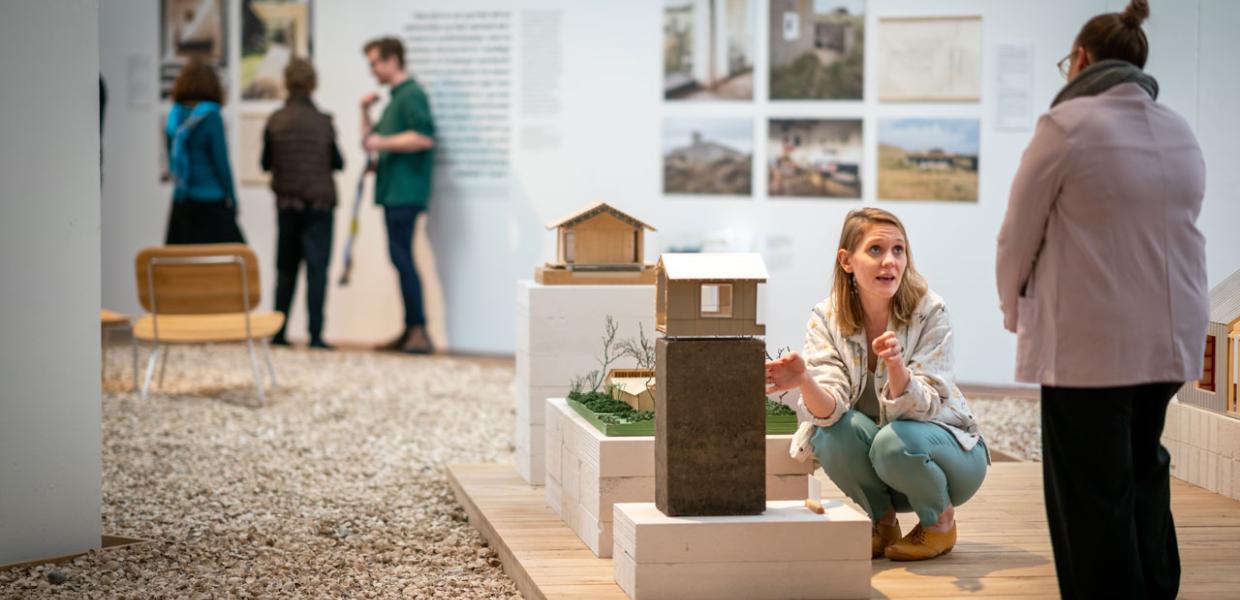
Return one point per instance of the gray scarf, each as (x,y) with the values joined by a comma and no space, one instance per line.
(1104,75)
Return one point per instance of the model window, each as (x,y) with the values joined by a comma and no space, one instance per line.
(717,300)
(1206,383)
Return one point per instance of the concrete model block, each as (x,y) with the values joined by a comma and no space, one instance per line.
(786,552)
(710,426)
(591,473)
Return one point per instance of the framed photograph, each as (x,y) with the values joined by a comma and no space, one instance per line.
(928,159)
(708,156)
(817,49)
(818,158)
(708,49)
(272,32)
(249,158)
(191,29)
(929,59)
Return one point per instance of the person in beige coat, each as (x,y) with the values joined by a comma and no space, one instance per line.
(1101,275)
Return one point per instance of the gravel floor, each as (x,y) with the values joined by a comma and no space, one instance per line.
(1010,425)
(335,489)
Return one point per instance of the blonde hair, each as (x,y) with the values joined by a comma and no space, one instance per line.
(844,293)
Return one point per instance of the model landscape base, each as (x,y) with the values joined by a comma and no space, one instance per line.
(785,552)
(587,473)
(557,341)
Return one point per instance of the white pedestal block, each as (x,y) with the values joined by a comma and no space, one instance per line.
(1204,447)
(587,473)
(786,552)
(558,337)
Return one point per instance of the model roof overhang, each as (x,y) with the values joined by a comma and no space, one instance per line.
(593,211)
(1225,300)
(740,266)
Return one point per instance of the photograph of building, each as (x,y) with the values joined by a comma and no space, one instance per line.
(814,158)
(272,32)
(708,49)
(928,159)
(817,49)
(708,156)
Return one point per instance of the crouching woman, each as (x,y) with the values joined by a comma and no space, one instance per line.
(891,428)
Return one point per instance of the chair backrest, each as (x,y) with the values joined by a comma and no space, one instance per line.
(197,279)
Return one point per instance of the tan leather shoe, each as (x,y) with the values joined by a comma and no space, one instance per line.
(883,536)
(922,544)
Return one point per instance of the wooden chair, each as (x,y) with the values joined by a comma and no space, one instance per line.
(202,294)
(110,321)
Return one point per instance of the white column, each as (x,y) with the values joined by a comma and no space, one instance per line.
(49,262)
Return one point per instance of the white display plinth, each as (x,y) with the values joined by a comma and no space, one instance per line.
(587,473)
(559,331)
(786,552)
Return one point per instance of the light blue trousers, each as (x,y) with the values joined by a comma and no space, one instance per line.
(911,466)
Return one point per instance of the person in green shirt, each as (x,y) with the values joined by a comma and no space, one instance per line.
(402,146)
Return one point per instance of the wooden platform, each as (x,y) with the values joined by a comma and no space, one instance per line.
(1003,551)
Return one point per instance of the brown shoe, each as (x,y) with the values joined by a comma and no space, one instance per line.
(396,344)
(417,342)
(882,536)
(922,544)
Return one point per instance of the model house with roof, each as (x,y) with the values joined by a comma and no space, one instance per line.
(710,420)
(634,387)
(703,295)
(1219,386)
(598,245)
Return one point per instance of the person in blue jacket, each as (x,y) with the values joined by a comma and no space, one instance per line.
(204,200)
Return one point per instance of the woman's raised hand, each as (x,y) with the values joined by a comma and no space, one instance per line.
(887,347)
(784,373)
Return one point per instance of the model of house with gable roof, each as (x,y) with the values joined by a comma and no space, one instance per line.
(709,295)
(1219,386)
(598,245)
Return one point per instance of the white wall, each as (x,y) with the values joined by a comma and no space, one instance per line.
(49,244)
(610,127)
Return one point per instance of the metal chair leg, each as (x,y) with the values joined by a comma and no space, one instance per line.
(133,350)
(258,380)
(150,369)
(163,364)
(271,369)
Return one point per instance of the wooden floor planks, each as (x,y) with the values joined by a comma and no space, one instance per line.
(1003,550)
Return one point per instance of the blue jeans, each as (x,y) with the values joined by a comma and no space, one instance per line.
(911,466)
(400,225)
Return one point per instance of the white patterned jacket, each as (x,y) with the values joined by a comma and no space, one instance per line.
(837,363)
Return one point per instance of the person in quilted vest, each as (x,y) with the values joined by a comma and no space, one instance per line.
(299,149)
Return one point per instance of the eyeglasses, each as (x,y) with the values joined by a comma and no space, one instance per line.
(1065,65)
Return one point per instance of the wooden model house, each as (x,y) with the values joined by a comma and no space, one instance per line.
(703,295)
(634,387)
(598,245)
(1219,386)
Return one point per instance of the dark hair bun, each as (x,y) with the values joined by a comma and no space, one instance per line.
(1135,13)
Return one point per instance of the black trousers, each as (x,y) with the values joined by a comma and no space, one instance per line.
(1106,478)
(304,236)
(195,222)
